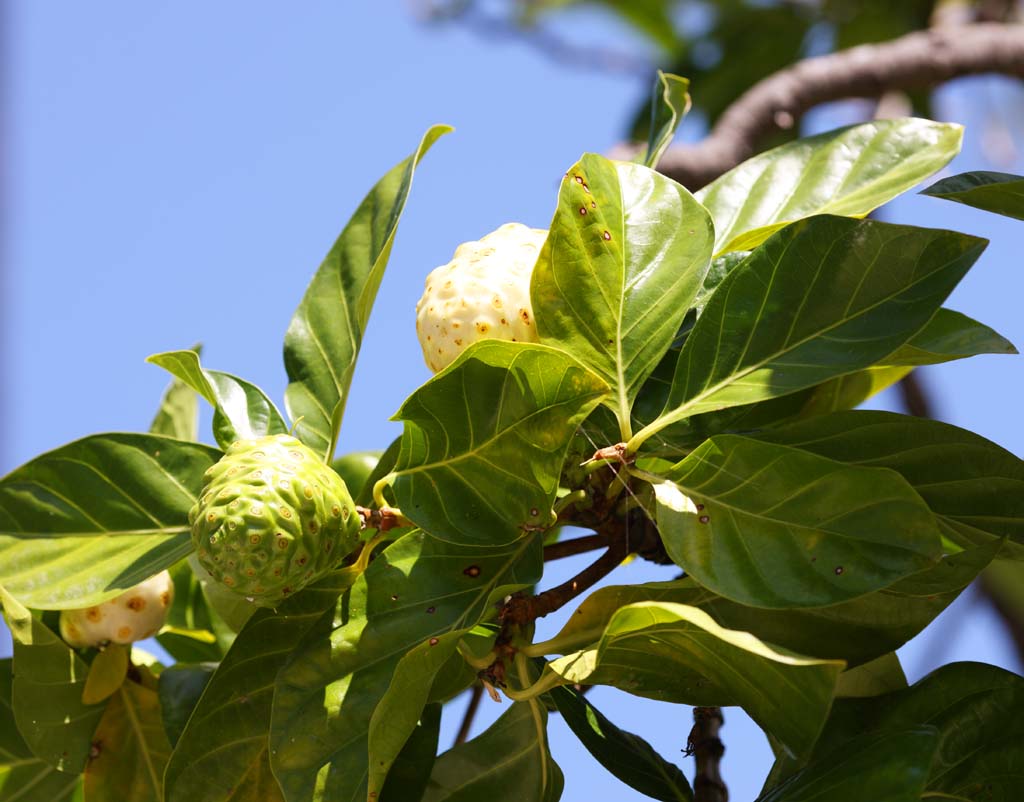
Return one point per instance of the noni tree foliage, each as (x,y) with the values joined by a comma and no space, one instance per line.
(682,385)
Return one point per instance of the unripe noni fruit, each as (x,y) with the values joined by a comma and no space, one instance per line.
(271,518)
(136,614)
(483,293)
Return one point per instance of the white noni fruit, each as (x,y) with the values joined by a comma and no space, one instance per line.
(136,614)
(483,293)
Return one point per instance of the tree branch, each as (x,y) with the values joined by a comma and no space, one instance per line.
(569,548)
(705,745)
(917,60)
(475,694)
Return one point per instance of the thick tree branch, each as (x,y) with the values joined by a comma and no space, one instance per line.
(705,745)
(917,60)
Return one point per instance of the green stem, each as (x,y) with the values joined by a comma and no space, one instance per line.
(378,489)
(571,498)
(561,645)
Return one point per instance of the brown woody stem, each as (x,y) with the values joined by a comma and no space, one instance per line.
(476,693)
(707,748)
(569,548)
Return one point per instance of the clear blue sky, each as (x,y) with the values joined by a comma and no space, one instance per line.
(176,173)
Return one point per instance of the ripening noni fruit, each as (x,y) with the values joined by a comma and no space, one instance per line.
(136,614)
(271,518)
(482,293)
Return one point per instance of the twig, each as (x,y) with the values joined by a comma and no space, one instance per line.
(705,745)
(917,60)
(467,719)
(916,399)
(569,548)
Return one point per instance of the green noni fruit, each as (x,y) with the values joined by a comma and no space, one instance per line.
(271,518)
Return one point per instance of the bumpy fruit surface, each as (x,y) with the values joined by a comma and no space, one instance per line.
(482,293)
(136,614)
(271,518)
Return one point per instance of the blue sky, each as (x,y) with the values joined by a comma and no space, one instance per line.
(176,173)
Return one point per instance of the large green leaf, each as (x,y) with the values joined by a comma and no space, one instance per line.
(625,256)
(223,752)
(408,778)
(189,633)
(974,487)
(950,335)
(131,748)
(892,767)
(416,591)
(1001,193)
(669,104)
(49,678)
(856,631)
(178,414)
(241,409)
(485,438)
(849,172)
(23,776)
(775,526)
(508,762)
(323,338)
(881,675)
(822,298)
(975,709)
(180,687)
(82,523)
(677,653)
(627,756)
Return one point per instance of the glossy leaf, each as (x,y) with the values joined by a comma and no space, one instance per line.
(417,590)
(892,767)
(179,689)
(408,778)
(84,522)
(822,298)
(132,748)
(178,414)
(106,674)
(881,675)
(625,255)
(23,776)
(48,682)
(189,633)
(773,526)
(485,438)
(1001,193)
(241,409)
(669,104)
(525,770)
(975,709)
(676,653)
(975,488)
(323,338)
(223,749)
(848,172)
(627,756)
(950,335)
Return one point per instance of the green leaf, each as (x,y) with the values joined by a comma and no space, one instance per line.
(84,522)
(395,717)
(893,767)
(131,748)
(484,441)
(848,172)
(950,335)
(23,776)
(881,675)
(223,749)
(241,409)
(508,761)
(418,589)
(106,674)
(189,633)
(179,688)
(625,255)
(323,338)
(48,682)
(774,526)
(822,298)
(974,707)
(1001,193)
(408,778)
(974,487)
(627,756)
(669,104)
(178,415)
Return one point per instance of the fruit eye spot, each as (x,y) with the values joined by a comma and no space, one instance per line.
(254,539)
(211,517)
(286,513)
(124,633)
(308,492)
(335,510)
(136,603)
(93,614)
(296,455)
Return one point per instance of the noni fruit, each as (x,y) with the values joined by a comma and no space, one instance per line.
(272,517)
(136,614)
(482,293)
